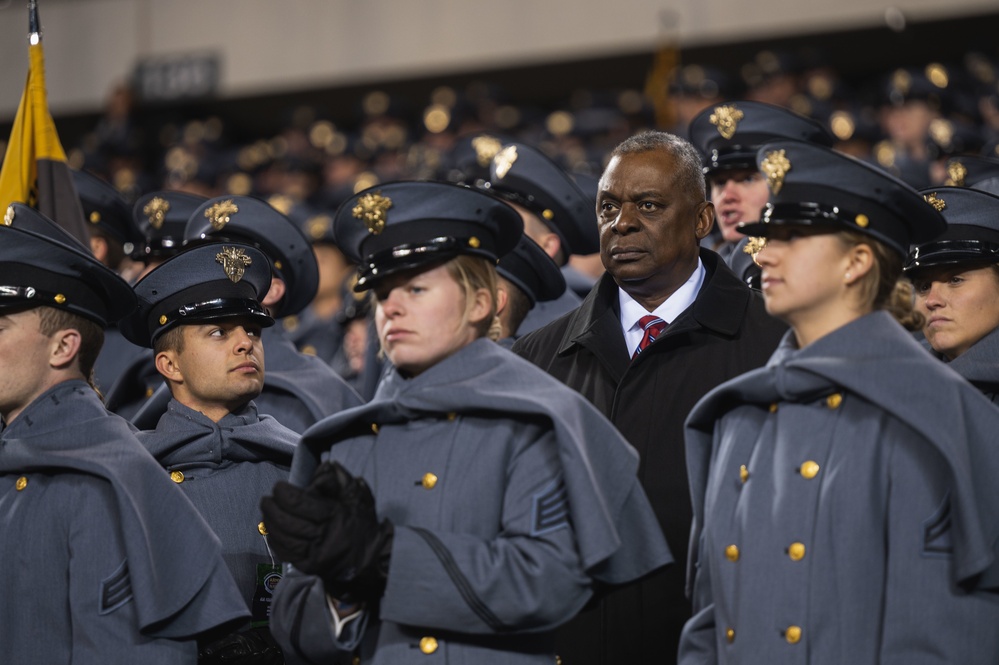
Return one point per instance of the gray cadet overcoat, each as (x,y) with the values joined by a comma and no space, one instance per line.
(979,365)
(510,497)
(106,561)
(845,509)
(225,468)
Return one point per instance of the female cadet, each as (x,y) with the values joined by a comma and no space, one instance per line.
(498,498)
(845,509)
(956,277)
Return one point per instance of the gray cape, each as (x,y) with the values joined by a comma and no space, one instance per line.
(891,371)
(600,467)
(979,364)
(162,532)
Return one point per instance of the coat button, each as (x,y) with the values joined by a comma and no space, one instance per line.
(451,416)
(732,553)
(356,660)
(309,350)
(262,528)
(149,392)
(792,634)
(429,481)
(809,470)
(177,476)
(21,483)
(374,427)
(428,645)
(796,551)
(743,473)
(730,635)
(773,408)
(834,400)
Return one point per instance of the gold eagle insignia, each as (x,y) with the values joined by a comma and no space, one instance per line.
(775,166)
(956,173)
(504,160)
(726,119)
(156,211)
(234,261)
(938,203)
(372,209)
(8,217)
(218,214)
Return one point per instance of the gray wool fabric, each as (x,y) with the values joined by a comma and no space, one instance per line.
(124,569)
(845,509)
(478,562)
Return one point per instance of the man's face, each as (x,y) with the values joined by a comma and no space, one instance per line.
(221,365)
(738,196)
(649,226)
(24,362)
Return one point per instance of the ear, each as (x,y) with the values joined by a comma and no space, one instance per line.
(551,243)
(275,293)
(705,219)
(168,365)
(860,260)
(481,306)
(65,348)
(502,298)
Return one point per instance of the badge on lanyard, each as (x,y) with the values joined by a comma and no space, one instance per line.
(268,576)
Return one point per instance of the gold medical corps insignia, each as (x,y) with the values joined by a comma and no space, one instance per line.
(504,159)
(726,119)
(775,166)
(234,261)
(156,211)
(219,213)
(372,209)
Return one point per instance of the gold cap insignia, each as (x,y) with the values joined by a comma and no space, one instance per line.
(485,148)
(775,166)
(726,119)
(318,225)
(901,80)
(95,217)
(548,214)
(163,319)
(942,132)
(938,203)
(504,159)
(60,299)
(156,211)
(8,217)
(474,243)
(753,246)
(282,203)
(956,173)
(234,261)
(372,209)
(218,214)
(862,221)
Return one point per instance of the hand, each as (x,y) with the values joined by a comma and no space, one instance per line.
(330,529)
(254,645)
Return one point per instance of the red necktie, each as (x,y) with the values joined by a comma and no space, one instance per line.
(653,327)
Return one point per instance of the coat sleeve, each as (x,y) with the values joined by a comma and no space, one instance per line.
(927,617)
(527,578)
(302,623)
(101,611)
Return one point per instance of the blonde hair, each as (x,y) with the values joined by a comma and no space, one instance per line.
(473,273)
(883,287)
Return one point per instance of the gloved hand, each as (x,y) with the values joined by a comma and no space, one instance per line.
(253,646)
(330,529)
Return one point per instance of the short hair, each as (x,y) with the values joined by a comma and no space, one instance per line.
(690,174)
(171,340)
(52,320)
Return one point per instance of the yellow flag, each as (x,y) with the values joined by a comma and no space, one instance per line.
(34,170)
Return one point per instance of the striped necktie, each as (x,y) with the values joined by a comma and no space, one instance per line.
(653,327)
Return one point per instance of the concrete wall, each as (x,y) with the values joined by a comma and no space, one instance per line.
(286,45)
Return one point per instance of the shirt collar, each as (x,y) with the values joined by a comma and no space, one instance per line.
(672,307)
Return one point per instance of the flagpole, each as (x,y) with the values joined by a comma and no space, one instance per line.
(34,26)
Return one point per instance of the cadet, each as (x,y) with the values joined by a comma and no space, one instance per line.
(956,277)
(199,311)
(299,389)
(728,136)
(667,323)
(112,239)
(845,504)
(160,218)
(498,497)
(527,276)
(108,561)
(557,215)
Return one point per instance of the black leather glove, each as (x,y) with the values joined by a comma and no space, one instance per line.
(330,529)
(254,646)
